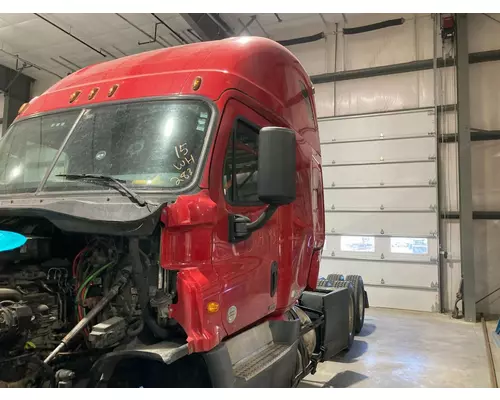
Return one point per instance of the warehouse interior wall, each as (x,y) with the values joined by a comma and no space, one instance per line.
(413,41)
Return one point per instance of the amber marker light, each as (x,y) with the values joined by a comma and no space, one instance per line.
(212,307)
(196,83)
(74,96)
(93,93)
(22,108)
(112,90)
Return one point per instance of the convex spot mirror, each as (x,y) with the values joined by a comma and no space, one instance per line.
(277,169)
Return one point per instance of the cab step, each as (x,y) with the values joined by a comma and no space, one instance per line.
(264,356)
(256,363)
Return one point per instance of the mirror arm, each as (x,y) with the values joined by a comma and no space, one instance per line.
(263,218)
(240,227)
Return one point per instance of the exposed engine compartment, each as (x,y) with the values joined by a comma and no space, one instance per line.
(66,299)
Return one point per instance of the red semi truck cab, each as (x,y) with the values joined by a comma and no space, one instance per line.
(183,189)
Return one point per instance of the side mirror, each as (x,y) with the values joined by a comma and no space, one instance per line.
(276,179)
(277,169)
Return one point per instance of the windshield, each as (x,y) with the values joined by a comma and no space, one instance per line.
(150,145)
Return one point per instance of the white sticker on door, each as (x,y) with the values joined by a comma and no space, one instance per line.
(409,245)
(364,244)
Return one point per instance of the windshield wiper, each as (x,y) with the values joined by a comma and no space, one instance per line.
(108,181)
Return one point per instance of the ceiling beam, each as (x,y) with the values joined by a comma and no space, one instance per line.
(208,26)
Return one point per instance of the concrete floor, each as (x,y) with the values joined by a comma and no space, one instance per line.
(405,349)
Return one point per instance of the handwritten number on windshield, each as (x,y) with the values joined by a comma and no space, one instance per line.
(182,150)
(184,159)
(182,163)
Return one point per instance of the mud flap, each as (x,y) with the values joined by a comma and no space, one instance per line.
(365,298)
(333,334)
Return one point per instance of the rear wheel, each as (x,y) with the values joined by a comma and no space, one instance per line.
(352,311)
(359,301)
(335,277)
(322,283)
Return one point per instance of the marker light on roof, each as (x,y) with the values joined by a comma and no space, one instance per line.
(22,108)
(93,93)
(74,96)
(112,90)
(196,83)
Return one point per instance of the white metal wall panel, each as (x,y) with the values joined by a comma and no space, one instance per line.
(373,222)
(382,151)
(404,299)
(324,99)
(389,196)
(375,94)
(411,173)
(381,205)
(351,128)
(484,95)
(485,182)
(385,93)
(312,56)
(484,33)
(392,45)
(384,273)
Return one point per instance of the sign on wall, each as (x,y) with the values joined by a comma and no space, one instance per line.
(409,245)
(364,244)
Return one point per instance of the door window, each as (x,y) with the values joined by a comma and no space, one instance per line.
(241,165)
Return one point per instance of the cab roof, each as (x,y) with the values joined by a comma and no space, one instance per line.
(260,67)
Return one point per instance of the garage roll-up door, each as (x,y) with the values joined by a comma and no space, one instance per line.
(380,179)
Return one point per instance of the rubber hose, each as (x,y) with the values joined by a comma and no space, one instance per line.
(135,332)
(10,294)
(373,27)
(140,282)
(302,40)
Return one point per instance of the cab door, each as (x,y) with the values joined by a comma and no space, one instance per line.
(248,270)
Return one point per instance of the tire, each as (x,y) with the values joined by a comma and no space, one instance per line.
(334,277)
(321,283)
(359,301)
(352,327)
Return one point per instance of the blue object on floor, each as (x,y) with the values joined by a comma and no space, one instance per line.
(11,240)
(496,335)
